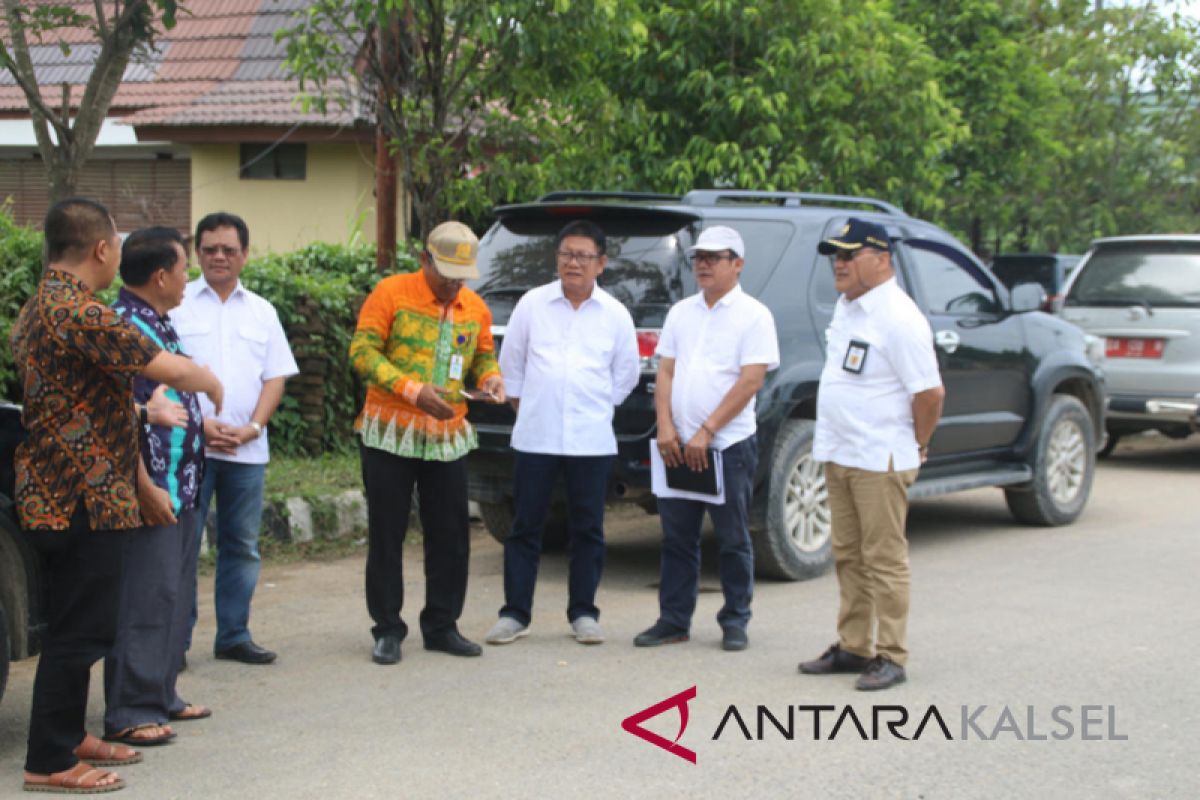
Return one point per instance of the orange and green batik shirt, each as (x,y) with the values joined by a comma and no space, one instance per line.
(406,339)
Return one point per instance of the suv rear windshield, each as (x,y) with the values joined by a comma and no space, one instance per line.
(1012,270)
(1136,273)
(645,273)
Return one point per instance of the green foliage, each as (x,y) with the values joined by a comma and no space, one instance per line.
(20,270)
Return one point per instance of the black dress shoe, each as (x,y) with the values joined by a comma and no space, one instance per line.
(881,673)
(453,643)
(835,659)
(660,633)
(734,637)
(246,652)
(387,650)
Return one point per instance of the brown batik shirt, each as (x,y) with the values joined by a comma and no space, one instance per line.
(77,359)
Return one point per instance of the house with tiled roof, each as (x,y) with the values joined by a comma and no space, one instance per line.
(207,120)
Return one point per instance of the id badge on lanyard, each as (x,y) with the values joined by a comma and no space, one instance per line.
(856,357)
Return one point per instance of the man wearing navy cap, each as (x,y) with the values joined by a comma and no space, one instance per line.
(879,400)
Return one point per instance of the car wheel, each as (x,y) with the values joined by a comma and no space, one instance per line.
(793,532)
(1110,442)
(498,519)
(1064,462)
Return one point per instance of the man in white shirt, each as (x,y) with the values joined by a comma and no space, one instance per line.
(716,349)
(237,334)
(879,400)
(569,358)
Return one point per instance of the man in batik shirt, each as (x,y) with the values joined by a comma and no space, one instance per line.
(422,339)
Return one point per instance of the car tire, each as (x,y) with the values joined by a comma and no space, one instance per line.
(1063,466)
(498,519)
(1110,442)
(792,531)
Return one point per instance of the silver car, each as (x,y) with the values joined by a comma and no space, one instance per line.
(1141,294)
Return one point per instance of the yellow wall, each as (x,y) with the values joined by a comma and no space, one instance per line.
(334,201)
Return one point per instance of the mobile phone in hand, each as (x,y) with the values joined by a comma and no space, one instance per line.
(478,394)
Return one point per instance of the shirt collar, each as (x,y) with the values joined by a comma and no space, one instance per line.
(202,286)
(559,294)
(872,300)
(136,303)
(67,278)
(730,297)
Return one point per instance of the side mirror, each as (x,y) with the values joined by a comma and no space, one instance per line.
(1027,297)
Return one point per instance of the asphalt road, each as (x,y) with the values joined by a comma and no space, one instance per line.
(1103,614)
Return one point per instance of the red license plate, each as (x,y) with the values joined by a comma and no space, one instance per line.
(1133,347)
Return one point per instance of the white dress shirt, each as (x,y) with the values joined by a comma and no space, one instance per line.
(710,346)
(571,367)
(242,341)
(864,419)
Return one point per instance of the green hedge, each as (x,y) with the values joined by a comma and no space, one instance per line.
(321,283)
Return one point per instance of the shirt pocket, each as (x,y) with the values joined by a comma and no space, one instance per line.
(253,345)
(194,338)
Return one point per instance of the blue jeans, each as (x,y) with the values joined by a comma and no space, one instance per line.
(681,521)
(239,491)
(534,478)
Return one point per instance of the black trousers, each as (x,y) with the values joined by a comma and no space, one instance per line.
(442,494)
(82,580)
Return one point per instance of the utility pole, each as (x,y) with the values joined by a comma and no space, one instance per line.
(385,160)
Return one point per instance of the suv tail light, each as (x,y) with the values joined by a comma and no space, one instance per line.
(647,341)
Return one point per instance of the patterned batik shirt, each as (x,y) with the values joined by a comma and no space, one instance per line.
(406,339)
(174,457)
(77,359)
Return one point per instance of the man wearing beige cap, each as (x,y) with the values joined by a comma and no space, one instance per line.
(423,341)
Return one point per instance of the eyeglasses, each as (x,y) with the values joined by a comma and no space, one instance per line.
(566,257)
(710,258)
(849,255)
(212,249)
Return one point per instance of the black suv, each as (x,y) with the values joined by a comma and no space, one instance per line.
(20,610)
(1024,395)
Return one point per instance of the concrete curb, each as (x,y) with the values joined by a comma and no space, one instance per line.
(302,519)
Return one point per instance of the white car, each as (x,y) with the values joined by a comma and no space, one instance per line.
(1141,294)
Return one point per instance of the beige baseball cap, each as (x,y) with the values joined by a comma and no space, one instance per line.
(454,248)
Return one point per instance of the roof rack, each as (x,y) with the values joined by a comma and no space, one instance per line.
(561,196)
(713,197)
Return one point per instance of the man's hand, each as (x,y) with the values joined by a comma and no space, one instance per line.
(219,438)
(155,504)
(430,401)
(165,412)
(695,455)
(495,387)
(668,445)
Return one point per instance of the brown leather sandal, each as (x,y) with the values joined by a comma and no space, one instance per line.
(130,735)
(190,712)
(102,754)
(82,778)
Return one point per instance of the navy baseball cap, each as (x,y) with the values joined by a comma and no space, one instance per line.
(855,235)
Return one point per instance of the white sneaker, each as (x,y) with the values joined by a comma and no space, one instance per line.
(587,631)
(506,630)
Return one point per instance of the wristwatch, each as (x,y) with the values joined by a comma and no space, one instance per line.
(258,429)
(143,415)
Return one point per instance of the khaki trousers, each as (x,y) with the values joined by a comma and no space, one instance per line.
(870,554)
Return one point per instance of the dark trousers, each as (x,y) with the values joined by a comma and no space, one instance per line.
(442,495)
(681,521)
(157,591)
(82,580)
(534,478)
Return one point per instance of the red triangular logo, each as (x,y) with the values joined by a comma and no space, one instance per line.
(633,724)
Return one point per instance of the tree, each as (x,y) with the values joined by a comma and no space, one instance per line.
(460,86)
(120,27)
(777,95)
